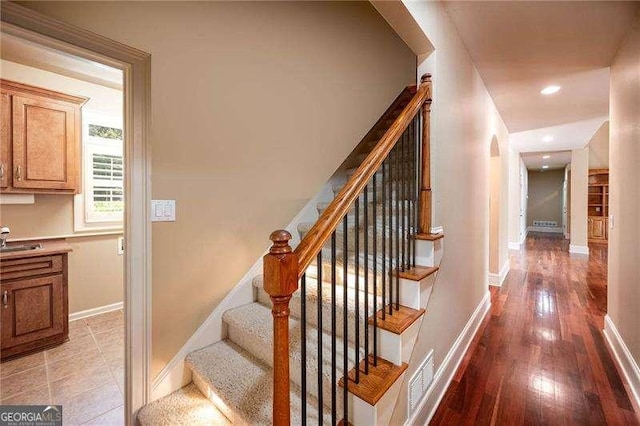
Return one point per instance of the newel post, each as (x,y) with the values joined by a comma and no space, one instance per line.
(280,282)
(425,189)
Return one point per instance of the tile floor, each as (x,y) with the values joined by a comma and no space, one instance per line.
(85,375)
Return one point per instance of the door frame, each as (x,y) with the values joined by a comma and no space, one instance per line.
(136,67)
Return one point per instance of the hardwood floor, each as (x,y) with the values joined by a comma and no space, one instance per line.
(540,356)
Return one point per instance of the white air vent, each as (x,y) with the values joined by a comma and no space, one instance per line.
(420,382)
(545,223)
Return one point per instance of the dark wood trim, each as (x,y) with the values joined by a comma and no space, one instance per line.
(425,188)
(280,282)
(399,321)
(373,386)
(429,237)
(418,273)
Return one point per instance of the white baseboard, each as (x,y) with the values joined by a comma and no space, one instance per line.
(552,229)
(175,374)
(621,352)
(96,311)
(443,377)
(578,249)
(514,246)
(498,279)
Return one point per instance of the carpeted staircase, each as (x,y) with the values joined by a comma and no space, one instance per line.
(232,379)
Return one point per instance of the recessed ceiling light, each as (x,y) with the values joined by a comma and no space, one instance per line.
(545,167)
(550,90)
(544,157)
(547,138)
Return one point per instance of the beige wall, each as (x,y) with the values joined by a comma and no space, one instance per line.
(464,122)
(579,196)
(599,148)
(545,196)
(624,256)
(514,197)
(95,268)
(254,105)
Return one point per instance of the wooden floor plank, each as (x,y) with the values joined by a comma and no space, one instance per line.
(540,355)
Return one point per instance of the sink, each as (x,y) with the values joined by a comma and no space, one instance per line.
(19,247)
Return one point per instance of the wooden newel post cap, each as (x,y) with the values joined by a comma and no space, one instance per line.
(425,78)
(280,239)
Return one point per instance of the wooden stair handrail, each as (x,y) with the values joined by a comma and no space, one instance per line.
(330,218)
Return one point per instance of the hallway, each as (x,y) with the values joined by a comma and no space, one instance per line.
(541,357)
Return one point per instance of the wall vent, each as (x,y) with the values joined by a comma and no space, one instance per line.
(545,223)
(420,382)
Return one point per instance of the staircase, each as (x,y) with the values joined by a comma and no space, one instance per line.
(344,307)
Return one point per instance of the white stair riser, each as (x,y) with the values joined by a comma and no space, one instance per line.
(362,413)
(397,348)
(429,253)
(415,294)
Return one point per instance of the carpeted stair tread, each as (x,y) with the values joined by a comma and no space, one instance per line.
(184,407)
(243,385)
(251,327)
(312,306)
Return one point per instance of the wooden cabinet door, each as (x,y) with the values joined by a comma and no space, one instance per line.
(32,309)
(5,139)
(44,152)
(597,228)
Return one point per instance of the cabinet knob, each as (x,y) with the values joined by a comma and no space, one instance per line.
(19,173)
(5,299)
(1,170)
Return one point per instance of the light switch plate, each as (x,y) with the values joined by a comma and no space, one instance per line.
(163,210)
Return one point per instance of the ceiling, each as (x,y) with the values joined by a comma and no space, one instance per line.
(556,160)
(520,47)
(564,137)
(24,52)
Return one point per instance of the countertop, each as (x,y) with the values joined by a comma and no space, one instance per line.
(48,247)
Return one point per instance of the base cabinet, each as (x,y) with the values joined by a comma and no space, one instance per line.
(34,304)
(597,229)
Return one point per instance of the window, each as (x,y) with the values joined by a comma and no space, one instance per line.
(101,204)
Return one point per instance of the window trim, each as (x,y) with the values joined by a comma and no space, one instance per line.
(80,216)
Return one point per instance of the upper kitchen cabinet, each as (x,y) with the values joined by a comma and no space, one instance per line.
(40,140)
(5,139)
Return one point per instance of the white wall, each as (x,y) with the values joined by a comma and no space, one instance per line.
(579,198)
(253,107)
(624,253)
(464,121)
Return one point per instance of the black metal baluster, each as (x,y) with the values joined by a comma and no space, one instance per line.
(403,192)
(375,270)
(396,272)
(303,346)
(391,233)
(418,177)
(357,288)
(410,193)
(334,408)
(384,238)
(414,180)
(320,402)
(366,279)
(345,328)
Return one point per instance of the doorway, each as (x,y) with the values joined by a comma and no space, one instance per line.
(135,66)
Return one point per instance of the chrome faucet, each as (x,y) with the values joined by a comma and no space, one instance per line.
(4,234)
